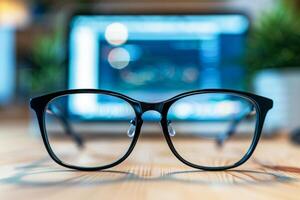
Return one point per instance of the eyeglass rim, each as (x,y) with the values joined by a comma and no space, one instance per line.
(262,105)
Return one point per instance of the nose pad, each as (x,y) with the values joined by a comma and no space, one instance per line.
(171,130)
(132,128)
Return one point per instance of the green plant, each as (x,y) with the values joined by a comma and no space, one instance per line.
(274,41)
(48,69)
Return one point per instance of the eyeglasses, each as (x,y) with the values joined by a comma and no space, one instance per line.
(210,129)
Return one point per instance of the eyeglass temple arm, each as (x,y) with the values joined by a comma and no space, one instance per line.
(232,128)
(66,124)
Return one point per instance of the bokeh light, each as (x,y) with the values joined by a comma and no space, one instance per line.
(118,58)
(116,34)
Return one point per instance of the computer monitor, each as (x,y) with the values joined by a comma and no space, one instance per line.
(7,64)
(153,57)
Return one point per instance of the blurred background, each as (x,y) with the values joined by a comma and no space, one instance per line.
(150,50)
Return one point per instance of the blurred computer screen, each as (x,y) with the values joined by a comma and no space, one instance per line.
(153,57)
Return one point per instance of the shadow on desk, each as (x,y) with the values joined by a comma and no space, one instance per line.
(39,174)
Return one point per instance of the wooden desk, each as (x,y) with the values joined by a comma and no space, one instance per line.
(27,172)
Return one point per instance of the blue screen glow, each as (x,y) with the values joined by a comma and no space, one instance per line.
(7,64)
(153,57)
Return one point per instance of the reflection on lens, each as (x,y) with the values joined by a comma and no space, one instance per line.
(78,138)
(219,131)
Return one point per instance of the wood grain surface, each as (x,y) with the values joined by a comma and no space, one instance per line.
(151,172)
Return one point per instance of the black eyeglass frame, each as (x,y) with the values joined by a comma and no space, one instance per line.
(262,105)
